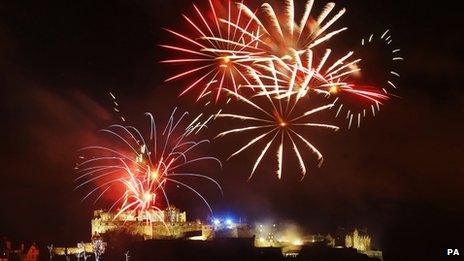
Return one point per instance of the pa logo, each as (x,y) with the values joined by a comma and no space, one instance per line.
(452,252)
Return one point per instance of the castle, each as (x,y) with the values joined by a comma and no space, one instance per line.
(361,241)
(171,223)
(357,241)
(168,223)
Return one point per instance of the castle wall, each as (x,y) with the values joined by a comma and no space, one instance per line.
(173,225)
(359,242)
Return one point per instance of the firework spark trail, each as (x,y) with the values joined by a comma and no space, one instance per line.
(274,38)
(281,60)
(304,77)
(116,106)
(143,165)
(386,40)
(227,43)
(277,122)
(292,47)
(217,53)
(338,79)
(372,95)
(283,36)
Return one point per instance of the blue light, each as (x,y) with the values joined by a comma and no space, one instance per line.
(229,222)
(216,222)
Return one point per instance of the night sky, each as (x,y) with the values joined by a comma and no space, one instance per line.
(400,175)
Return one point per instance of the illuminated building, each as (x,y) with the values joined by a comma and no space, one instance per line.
(266,235)
(168,223)
(291,240)
(80,248)
(226,228)
(357,241)
(361,241)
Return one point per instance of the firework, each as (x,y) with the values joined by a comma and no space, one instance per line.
(142,166)
(330,79)
(281,64)
(340,78)
(371,84)
(283,37)
(380,50)
(278,122)
(294,48)
(215,54)
(305,76)
(293,45)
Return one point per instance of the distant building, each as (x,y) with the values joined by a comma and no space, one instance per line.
(79,248)
(359,241)
(170,223)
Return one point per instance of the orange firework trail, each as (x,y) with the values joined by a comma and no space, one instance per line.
(143,165)
(233,39)
(283,36)
(216,53)
(292,44)
(331,79)
(281,59)
(278,123)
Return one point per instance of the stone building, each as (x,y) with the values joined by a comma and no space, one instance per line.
(359,241)
(168,223)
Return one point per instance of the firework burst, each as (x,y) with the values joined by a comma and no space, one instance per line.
(216,53)
(294,46)
(281,64)
(142,166)
(282,36)
(371,84)
(385,55)
(278,122)
(338,78)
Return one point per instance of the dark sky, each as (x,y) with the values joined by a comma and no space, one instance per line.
(400,175)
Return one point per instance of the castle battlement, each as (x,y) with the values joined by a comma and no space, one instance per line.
(168,223)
